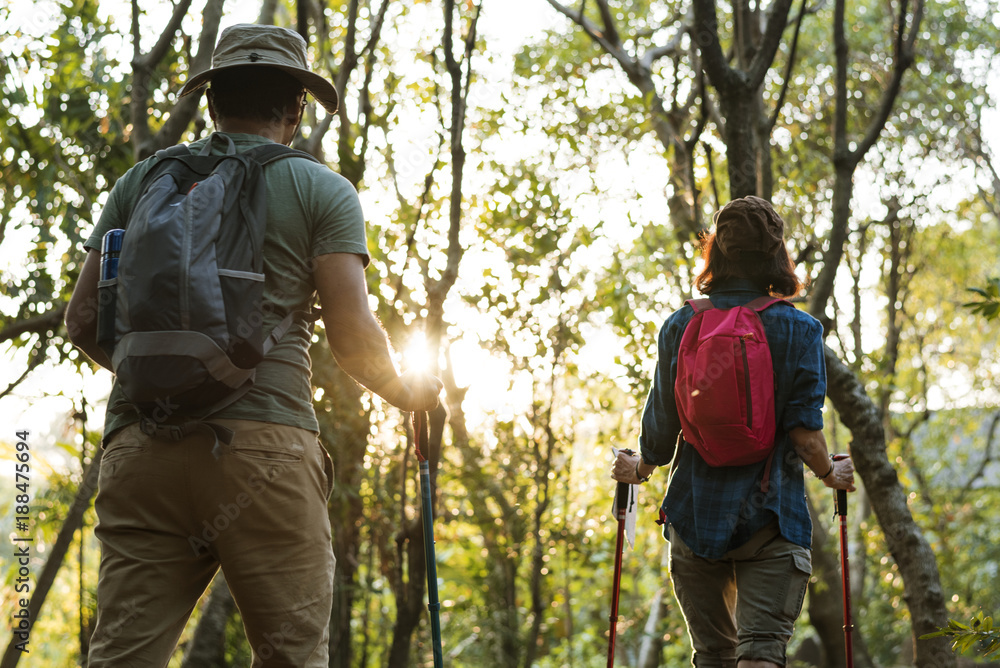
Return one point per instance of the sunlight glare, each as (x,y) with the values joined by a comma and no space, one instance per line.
(417,357)
(495,392)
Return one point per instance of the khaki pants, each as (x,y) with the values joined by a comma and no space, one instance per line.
(744,605)
(170,514)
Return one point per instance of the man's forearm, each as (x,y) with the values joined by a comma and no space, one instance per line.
(95,353)
(81,312)
(358,341)
(361,348)
(811,448)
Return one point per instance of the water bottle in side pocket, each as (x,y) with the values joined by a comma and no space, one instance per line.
(107,290)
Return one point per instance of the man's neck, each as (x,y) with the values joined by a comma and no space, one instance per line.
(277,132)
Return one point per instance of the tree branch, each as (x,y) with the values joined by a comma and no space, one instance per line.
(975,147)
(841,153)
(424,198)
(459,100)
(706,33)
(762,59)
(792,52)
(470,45)
(610,32)
(376,29)
(159,50)
(33,363)
(903,60)
(39,324)
(613,50)
(652,54)
(991,434)
(142,73)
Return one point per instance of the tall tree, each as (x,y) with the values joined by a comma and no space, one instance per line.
(677,119)
(409,590)
(740,88)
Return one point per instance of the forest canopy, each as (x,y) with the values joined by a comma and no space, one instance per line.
(536,177)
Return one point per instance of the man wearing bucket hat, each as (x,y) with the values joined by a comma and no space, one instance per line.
(172,512)
(740,534)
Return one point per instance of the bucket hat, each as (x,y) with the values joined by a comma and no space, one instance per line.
(266,46)
(749,224)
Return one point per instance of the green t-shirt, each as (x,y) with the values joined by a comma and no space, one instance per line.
(311,211)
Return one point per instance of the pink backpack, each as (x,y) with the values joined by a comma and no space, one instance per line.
(725,384)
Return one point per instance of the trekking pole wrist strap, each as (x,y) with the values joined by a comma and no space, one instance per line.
(827,474)
(639,477)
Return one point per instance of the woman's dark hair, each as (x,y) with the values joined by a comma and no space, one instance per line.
(773,274)
(254,93)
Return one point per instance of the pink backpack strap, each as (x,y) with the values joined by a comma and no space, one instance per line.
(700,305)
(762,303)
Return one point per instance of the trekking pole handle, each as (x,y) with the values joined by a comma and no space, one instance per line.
(621,498)
(420,434)
(841,507)
(621,491)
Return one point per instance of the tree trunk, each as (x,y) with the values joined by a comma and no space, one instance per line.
(739,110)
(913,555)
(344,428)
(651,646)
(739,88)
(344,422)
(543,459)
(74,520)
(144,141)
(845,158)
(843,191)
(669,119)
(208,646)
(409,593)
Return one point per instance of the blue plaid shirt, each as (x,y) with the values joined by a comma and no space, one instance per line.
(715,510)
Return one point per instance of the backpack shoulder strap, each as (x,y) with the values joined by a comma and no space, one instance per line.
(700,305)
(173,151)
(762,303)
(269,153)
(164,154)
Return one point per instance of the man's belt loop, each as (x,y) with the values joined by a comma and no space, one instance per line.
(165,432)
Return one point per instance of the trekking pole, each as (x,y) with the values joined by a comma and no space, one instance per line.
(841,509)
(420,436)
(621,503)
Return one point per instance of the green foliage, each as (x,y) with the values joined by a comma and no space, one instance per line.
(979,634)
(572,261)
(62,145)
(989,305)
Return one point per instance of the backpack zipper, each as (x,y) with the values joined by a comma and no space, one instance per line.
(746,376)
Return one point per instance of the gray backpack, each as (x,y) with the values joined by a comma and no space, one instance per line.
(190,303)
